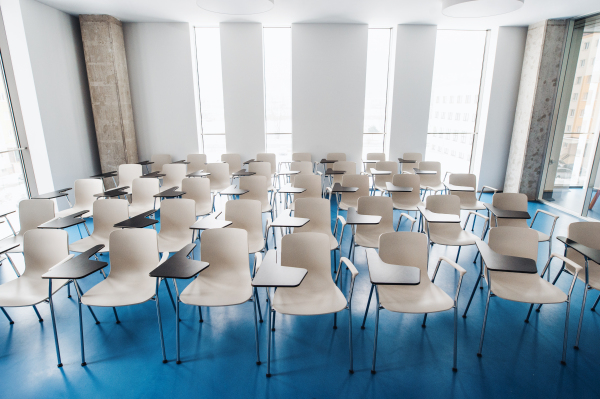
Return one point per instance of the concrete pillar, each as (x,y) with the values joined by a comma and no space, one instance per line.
(106,66)
(535,106)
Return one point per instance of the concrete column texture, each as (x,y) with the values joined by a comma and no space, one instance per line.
(535,106)
(106,65)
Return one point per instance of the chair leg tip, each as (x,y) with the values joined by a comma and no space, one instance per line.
(118,321)
(165,361)
(178,362)
(69,296)
(526,321)
(259,363)
(83,364)
(351,371)
(199,321)
(59,365)
(260,321)
(362,327)
(479,355)
(335,327)
(41,320)
(454,369)
(537,310)
(464,316)
(563,362)
(373,372)
(423,325)
(12,322)
(576,347)
(268,375)
(593,310)
(98,322)
(272,329)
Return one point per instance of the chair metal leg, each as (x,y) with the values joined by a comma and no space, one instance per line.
(529,313)
(178,361)
(38,314)
(549,254)
(255,305)
(83,363)
(10,321)
(13,265)
(116,316)
(487,306)
(424,320)
(595,303)
(273,325)
(376,331)
(350,337)
(69,290)
(471,297)
(200,320)
(59,364)
(160,329)
(564,352)
(585,291)
(362,327)
(454,368)
(260,318)
(269,342)
(458,254)
(169,291)
(93,315)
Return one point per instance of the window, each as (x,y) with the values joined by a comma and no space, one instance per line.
(584,97)
(568,129)
(378,58)
(578,81)
(456,74)
(278,91)
(572,112)
(210,82)
(582,113)
(575,96)
(582,63)
(586,45)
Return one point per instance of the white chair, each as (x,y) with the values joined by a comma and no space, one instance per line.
(373,156)
(159,160)
(174,174)
(304,167)
(196,162)
(219,178)
(246,214)
(410,249)
(126,174)
(312,184)
(346,166)
(142,196)
(176,217)
(84,197)
(262,169)
(336,156)
(318,294)
(133,255)
(408,201)
(107,213)
(301,157)
(199,191)
(431,182)
(350,200)
(257,187)
(379,181)
(523,287)
(234,161)
(411,156)
(518,202)
(32,213)
(449,234)
(227,281)
(44,249)
(367,236)
(270,158)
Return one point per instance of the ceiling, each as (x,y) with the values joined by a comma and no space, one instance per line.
(376,13)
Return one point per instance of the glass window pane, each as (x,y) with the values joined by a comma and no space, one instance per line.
(372,143)
(280,145)
(456,77)
(13,187)
(378,54)
(214,146)
(453,151)
(278,79)
(208,54)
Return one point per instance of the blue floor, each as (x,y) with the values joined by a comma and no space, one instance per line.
(310,359)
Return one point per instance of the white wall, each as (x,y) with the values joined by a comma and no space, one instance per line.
(329,64)
(60,77)
(243,88)
(504,91)
(161,81)
(415,53)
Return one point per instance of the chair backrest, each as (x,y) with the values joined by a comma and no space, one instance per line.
(42,249)
(245,214)
(448,204)
(376,156)
(233,160)
(174,174)
(360,181)
(389,166)
(257,189)
(176,217)
(198,189)
(268,157)
(466,180)
(412,198)
(133,253)
(309,251)
(196,162)
(84,192)
(509,202)
(406,249)
(143,191)
(380,206)
(312,184)
(318,210)
(301,156)
(347,166)
(586,233)
(304,167)
(107,213)
(219,176)
(127,172)
(159,160)
(261,169)
(33,212)
(227,252)
(336,156)
(413,156)
(514,241)
(431,180)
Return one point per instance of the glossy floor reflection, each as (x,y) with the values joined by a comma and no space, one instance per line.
(310,359)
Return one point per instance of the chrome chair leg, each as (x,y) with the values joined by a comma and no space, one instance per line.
(350,337)
(160,329)
(472,295)
(69,289)
(273,326)
(255,304)
(454,368)
(59,364)
(362,327)
(83,363)
(487,306)
(595,303)
(458,254)
(529,313)
(564,352)
(269,342)
(200,320)
(178,361)
(260,318)
(10,321)
(376,331)
(424,320)
(93,315)
(116,316)
(38,314)
(13,265)
(585,291)
(169,291)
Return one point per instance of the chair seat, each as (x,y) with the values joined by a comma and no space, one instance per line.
(117,292)
(173,244)
(207,291)
(75,209)
(18,239)
(439,187)
(27,291)
(88,242)
(451,234)
(543,237)
(266,207)
(135,210)
(475,206)
(203,209)
(344,205)
(423,298)
(304,301)
(527,288)
(256,243)
(406,206)
(370,239)
(380,187)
